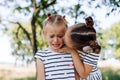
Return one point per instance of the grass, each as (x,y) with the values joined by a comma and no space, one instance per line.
(9,72)
(107,73)
(110,74)
(27,78)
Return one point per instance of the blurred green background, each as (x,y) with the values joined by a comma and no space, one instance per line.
(21,25)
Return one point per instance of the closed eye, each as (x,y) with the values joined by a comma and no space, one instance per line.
(51,36)
(60,36)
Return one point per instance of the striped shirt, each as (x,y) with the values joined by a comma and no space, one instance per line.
(58,66)
(91,59)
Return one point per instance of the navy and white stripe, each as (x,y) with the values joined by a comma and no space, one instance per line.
(57,65)
(91,59)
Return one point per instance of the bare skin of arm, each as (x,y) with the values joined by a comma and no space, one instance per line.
(40,70)
(82,69)
(77,77)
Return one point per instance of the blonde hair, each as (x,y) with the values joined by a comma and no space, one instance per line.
(54,19)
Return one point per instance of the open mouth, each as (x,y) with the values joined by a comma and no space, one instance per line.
(56,45)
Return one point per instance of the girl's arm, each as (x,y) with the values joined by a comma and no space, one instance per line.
(77,77)
(40,69)
(82,69)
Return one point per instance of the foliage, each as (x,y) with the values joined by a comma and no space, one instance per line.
(102,38)
(111,39)
(21,44)
(114,35)
(112,5)
(27,39)
(23,37)
(110,74)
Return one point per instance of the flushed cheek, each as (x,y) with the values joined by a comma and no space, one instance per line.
(62,41)
(50,41)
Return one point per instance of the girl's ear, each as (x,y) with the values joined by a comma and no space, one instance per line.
(87,49)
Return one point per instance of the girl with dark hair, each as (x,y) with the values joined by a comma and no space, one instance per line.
(80,40)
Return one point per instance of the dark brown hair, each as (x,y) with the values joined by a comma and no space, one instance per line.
(84,34)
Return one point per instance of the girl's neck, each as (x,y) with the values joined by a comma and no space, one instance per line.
(52,49)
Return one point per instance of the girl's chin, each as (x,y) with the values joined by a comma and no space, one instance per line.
(56,47)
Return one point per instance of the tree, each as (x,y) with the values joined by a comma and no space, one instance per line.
(29,35)
(114,35)
(23,38)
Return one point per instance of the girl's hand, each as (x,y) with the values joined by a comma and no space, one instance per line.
(65,49)
(87,49)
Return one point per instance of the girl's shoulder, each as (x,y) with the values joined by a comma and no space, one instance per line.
(43,51)
(91,54)
(41,54)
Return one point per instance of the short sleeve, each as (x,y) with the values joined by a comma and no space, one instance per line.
(91,59)
(40,55)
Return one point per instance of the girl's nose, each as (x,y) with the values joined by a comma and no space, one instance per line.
(55,39)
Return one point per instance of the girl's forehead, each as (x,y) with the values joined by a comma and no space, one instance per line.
(56,28)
